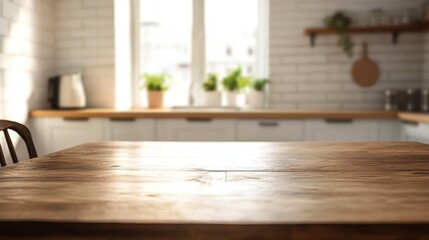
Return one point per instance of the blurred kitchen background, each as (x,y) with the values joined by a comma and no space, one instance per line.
(113,43)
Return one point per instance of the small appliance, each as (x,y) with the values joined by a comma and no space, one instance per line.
(391,100)
(425,100)
(413,102)
(66,92)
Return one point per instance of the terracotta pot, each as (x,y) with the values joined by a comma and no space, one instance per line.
(155,99)
(212,99)
(256,99)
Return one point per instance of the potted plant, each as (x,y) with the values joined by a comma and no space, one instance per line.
(233,83)
(340,22)
(257,93)
(156,85)
(212,97)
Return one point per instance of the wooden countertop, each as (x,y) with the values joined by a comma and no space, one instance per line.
(414,117)
(226,114)
(158,190)
(231,114)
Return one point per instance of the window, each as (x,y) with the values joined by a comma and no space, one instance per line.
(231,35)
(166,29)
(189,38)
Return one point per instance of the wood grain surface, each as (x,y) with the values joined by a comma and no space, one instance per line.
(414,117)
(242,114)
(365,71)
(207,113)
(371,29)
(166,190)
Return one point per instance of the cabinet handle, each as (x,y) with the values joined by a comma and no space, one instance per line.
(76,119)
(199,120)
(122,119)
(410,123)
(268,124)
(339,121)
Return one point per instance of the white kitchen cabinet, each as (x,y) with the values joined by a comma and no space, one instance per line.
(61,133)
(341,130)
(53,134)
(269,130)
(130,129)
(195,129)
(415,132)
(389,131)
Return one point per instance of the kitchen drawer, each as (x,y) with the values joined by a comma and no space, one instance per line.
(389,131)
(195,129)
(415,132)
(61,133)
(130,129)
(345,130)
(269,130)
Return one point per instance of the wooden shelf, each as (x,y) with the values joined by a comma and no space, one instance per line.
(395,30)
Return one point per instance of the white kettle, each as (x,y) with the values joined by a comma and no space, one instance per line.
(67,92)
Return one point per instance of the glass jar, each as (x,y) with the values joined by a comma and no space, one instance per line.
(425,15)
(406,17)
(375,17)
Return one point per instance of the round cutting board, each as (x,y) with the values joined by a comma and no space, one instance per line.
(365,71)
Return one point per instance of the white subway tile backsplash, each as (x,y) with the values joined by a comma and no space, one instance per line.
(82,13)
(98,42)
(426,61)
(105,12)
(26,58)
(82,33)
(87,44)
(10,10)
(319,87)
(319,77)
(69,23)
(318,105)
(69,43)
(68,4)
(4,27)
(303,97)
(100,22)
(98,3)
(42,37)
(284,87)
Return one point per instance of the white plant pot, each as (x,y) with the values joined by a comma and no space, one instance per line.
(212,99)
(256,99)
(231,99)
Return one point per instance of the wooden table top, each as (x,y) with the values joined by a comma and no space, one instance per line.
(166,190)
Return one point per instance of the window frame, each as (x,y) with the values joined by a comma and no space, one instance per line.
(198,43)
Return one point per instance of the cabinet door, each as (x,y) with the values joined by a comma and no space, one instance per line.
(341,130)
(130,129)
(389,131)
(61,133)
(195,130)
(415,132)
(270,130)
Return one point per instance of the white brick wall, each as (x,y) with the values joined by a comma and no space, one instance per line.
(41,37)
(426,62)
(319,77)
(84,41)
(26,56)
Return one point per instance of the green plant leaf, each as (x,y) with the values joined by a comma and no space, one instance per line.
(230,82)
(156,82)
(340,22)
(211,83)
(260,84)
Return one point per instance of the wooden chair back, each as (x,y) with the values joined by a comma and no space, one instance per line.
(24,133)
